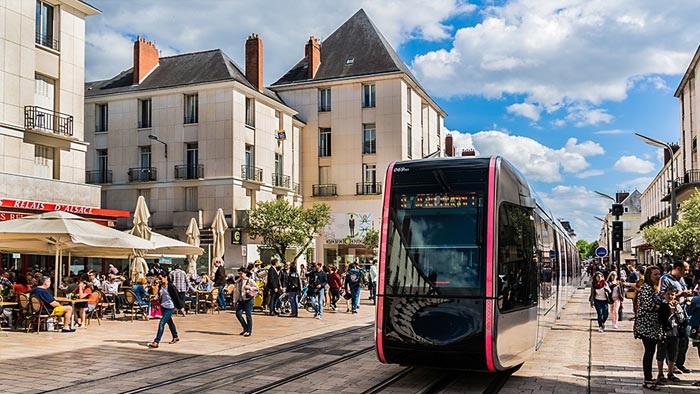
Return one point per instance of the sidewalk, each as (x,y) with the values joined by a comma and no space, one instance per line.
(615,357)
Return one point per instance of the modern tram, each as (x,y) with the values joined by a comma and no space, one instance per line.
(473,269)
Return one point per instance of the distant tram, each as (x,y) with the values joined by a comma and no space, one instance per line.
(473,269)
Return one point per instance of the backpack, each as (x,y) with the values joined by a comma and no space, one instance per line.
(354,277)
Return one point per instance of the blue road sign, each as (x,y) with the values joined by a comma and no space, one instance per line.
(600,251)
(552,254)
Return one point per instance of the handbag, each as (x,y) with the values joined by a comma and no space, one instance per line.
(694,333)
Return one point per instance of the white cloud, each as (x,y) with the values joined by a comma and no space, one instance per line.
(582,116)
(640,183)
(536,161)
(180,26)
(529,111)
(634,164)
(612,131)
(589,174)
(565,53)
(578,205)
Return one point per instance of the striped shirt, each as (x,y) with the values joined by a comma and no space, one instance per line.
(179,279)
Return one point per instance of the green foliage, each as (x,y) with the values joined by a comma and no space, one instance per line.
(682,240)
(281,225)
(371,240)
(586,248)
(592,246)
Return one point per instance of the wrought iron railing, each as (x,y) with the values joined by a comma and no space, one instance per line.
(48,41)
(280,180)
(39,118)
(296,187)
(142,174)
(144,124)
(191,119)
(324,190)
(97,177)
(368,188)
(251,173)
(189,171)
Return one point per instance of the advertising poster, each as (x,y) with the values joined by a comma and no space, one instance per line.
(348,227)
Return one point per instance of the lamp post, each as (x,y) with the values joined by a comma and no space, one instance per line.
(660,144)
(155,138)
(614,253)
(607,233)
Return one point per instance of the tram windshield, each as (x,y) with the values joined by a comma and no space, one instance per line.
(435,236)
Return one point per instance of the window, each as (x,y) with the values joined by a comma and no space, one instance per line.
(408,98)
(324,100)
(144,156)
(146,193)
(144,114)
(279,164)
(101,112)
(44,92)
(409,142)
(43,161)
(191,199)
(102,162)
(45,25)
(369,139)
(191,108)
(368,96)
(626,225)
(324,141)
(324,175)
(517,273)
(369,178)
(695,143)
(192,153)
(250,112)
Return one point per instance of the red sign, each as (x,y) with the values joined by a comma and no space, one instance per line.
(7,215)
(46,206)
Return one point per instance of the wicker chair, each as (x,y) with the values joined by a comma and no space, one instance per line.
(97,312)
(38,312)
(132,304)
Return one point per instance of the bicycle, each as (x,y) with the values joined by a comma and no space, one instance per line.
(284,306)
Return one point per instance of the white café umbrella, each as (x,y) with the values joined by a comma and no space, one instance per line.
(218,229)
(137,265)
(193,239)
(57,232)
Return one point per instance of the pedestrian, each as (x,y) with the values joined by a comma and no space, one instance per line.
(273,285)
(600,299)
(178,278)
(246,290)
(293,288)
(220,282)
(674,279)
(693,311)
(647,326)
(353,280)
(335,283)
(671,315)
(615,288)
(169,303)
(373,282)
(316,289)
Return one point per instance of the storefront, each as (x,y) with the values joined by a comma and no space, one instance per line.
(14,209)
(343,239)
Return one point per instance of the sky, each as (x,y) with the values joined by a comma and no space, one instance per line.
(556,87)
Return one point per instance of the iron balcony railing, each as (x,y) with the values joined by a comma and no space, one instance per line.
(191,119)
(280,180)
(189,171)
(368,188)
(324,190)
(296,187)
(97,177)
(48,41)
(688,181)
(144,124)
(39,118)
(142,174)
(251,173)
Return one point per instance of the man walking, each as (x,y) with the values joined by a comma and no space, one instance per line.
(178,278)
(352,285)
(373,282)
(220,282)
(317,289)
(674,279)
(273,285)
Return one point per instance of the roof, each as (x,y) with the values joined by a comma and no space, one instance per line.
(357,39)
(688,73)
(177,71)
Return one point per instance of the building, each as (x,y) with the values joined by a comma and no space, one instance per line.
(42,143)
(363,110)
(632,208)
(192,133)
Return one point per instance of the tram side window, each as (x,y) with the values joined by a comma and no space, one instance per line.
(517,269)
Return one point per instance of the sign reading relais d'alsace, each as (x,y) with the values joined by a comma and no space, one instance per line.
(25,207)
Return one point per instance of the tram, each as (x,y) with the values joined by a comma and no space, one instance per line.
(473,269)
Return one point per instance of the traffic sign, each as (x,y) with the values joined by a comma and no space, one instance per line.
(552,254)
(600,251)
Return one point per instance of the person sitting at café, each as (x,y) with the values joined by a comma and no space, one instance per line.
(22,286)
(111,290)
(156,270)
(54,308)
(83,291)
(142,295)
(94,280)
(205,284)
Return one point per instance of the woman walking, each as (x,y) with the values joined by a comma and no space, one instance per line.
(615,288)
(600,295)
(169,303)
(246,289)
(647,326)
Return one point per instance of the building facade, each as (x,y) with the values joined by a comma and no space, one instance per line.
(631,216)
(363,110)
(42,141)
(193,133)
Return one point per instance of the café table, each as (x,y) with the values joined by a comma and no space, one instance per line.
(203,296)
(72,302)
(6,304)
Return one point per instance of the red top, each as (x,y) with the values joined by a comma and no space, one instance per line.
(334,281)
(21,289)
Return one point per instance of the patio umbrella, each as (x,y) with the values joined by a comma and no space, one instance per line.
(218,229)
(138,266)
(192,239)
(57,232)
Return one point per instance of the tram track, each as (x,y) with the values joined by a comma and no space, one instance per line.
(441,381)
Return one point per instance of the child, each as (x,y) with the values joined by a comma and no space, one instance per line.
(671,315)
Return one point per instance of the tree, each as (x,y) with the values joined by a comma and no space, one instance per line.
(282,225)
(586,248)
(371,239)
(682,241)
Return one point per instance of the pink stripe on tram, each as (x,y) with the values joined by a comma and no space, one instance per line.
(382,266)
(489,315)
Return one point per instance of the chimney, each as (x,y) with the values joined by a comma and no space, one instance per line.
(620,196)
(254,61)
(145,59)
(312,51)
(468,152)
(449,146)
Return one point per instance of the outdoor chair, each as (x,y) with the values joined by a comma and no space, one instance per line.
(23,311)
(38,311)
(212,300)
(132,305)
(106,304)
(96,313)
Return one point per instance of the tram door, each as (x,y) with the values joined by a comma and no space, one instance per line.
(546,259)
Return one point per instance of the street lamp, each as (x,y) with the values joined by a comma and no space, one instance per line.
(660,144)
(615,255)
(155,138)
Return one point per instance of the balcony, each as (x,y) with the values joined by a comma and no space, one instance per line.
(144,124)
(142,174)
(251,173)
(48,41)
(37,118)
(296,187)
(98,177)
(324,190)
(279,180)
(689,181)
(666,212)
(368,188)
(189,171)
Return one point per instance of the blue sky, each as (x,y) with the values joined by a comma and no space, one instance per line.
(557,87)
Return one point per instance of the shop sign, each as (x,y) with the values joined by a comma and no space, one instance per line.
(46,206)
(7,215)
